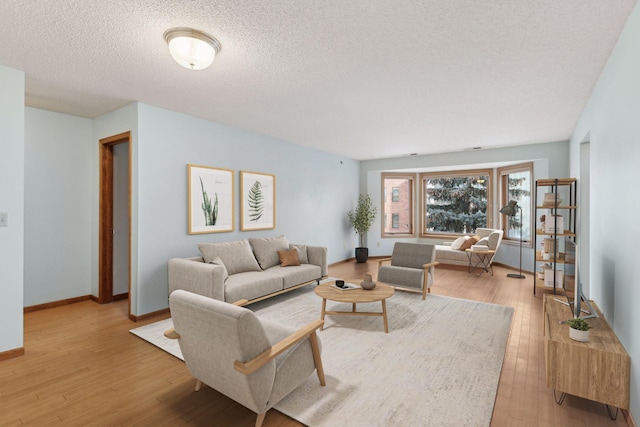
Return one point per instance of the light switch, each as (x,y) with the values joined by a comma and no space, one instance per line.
(4,219)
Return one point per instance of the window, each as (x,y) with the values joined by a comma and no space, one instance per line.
(398,190)
(395,194)
(515,184)
(454,202)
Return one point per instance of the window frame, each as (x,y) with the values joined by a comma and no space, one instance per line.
(411,177)
(503,174)
(453,174)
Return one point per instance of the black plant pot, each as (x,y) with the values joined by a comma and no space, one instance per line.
(362,254)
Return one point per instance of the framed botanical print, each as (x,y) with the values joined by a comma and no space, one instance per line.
(210,199)
(257,201)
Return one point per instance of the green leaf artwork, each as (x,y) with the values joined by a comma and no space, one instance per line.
(210,211)
(256,202)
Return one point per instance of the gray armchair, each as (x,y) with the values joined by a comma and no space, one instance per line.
(412,267)
(254,362)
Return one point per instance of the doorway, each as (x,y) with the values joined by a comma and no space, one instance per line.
(114,276)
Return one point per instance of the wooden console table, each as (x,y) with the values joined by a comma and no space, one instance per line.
(598,370)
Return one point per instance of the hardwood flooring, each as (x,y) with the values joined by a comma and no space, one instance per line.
(83,368)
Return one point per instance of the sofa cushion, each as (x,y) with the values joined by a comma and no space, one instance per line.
(218,261)
(251,285)
(236,255)
(293,276)
(403,276)
(302,253)
(288,258)
(266,250)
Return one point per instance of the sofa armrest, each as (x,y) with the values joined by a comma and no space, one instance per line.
(318,256)
(197,277)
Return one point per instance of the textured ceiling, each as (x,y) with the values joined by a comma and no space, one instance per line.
(362,78)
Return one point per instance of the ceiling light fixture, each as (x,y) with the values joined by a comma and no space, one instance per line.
(191,48)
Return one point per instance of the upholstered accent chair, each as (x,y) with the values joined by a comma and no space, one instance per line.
(252,361)
(412,267)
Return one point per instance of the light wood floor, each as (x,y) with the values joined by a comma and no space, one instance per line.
(82,367)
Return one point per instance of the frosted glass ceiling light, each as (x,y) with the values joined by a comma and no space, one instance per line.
(191,48)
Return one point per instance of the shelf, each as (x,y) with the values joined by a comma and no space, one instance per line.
(561,190)
(565,233)
(559,260)
(540,285)
(556,207)
(553,182)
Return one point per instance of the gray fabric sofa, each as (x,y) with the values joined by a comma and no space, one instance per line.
(246,269)
(449,254)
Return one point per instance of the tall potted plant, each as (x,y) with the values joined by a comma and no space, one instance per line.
(361,220)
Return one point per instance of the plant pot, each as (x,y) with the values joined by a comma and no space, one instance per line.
(577,335)
(362,254)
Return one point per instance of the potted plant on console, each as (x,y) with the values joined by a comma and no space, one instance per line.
(578,329)
(361,220)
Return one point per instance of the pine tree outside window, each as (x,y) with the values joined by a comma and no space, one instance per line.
(516,184)
(455,202)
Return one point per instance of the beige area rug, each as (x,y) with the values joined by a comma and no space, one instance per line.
(439,365)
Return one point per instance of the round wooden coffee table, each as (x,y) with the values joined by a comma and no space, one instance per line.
(380,293)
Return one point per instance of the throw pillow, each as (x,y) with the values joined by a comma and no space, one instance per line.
(458,242)
(236,255)
(302,253)
(218,261)
(266,250)
(288,258)
(469,242)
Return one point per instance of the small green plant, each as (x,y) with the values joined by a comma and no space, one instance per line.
(579,324)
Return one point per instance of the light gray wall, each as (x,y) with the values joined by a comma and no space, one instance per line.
(550,160)
(314,190)
(12,203)
(611,120)
(122,120)
(58,207)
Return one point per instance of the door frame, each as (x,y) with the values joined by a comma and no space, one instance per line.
(105,245)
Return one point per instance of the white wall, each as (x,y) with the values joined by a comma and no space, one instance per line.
(57,236)
(122,120)
(12,203)
(314,190)
(612,121)
(550,160)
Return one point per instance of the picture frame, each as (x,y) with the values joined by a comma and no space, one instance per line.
(257,201)
(211,199)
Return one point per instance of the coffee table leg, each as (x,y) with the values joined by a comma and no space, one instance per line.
(384,316)
(324,307)
(353,307)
